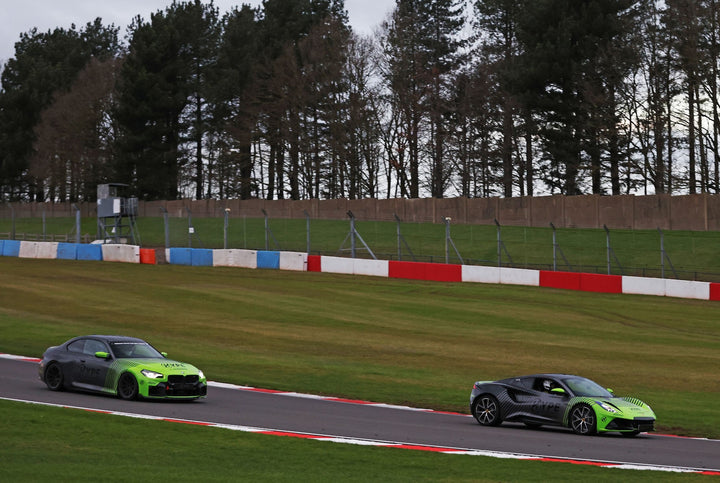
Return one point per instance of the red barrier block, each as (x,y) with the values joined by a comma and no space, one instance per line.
(410,270)
(595,282)
(564,280)
(147,255)
(441,272)
(715,291)
(314,263)
(435,272)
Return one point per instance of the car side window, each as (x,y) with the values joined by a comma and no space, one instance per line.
(92,346)
(77,346)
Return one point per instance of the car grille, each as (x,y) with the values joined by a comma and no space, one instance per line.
(178,379)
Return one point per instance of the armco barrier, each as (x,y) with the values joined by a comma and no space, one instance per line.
(294,261)
(436,272)
(11,248)
(121,253)
(473,273)
(563,280)
(201,257)
(28,249)
(47,250)
(67,251)
(643,286)
(268,260)
(89,252)
(147,256)
(179,256)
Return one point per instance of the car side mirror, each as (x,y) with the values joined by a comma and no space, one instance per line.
(164,354)
(558,391)
(102,355)
(610,391)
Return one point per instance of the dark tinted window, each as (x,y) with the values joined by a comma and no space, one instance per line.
(585,387)
(134,350)
(92,346)
(77,346)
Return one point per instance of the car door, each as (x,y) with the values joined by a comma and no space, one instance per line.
(547,407)
(91,370)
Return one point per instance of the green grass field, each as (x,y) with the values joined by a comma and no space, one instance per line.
(395,341)
(54,444)
(694,255)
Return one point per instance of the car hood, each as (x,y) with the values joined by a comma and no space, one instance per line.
(629,407)
(163,366)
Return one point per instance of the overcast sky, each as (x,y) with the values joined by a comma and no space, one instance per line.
(22,15)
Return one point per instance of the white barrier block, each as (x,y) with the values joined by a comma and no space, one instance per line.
(337,265)
(472,273)
(47,250)
(235,258)
(373,268)
(296,261)
(221,258)
(28,249)
(112,252)
(167,255)
(687,290)
(520,276)
(643,285)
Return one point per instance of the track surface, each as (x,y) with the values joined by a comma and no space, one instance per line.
(19,380)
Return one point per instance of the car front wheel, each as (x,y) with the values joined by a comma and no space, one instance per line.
(582,420)
(54,377)
(487,410)
(127,387)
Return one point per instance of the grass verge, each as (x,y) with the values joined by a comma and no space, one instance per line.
(55,444)
(395,341)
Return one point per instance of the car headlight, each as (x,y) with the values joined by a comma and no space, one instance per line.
(201,374)
(607,407)
(151,374)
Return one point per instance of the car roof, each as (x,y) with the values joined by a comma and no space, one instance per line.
(109,338)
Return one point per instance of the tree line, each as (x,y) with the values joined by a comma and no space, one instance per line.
(286,101)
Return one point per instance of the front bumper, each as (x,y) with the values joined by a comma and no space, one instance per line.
(639,424)
(178,387)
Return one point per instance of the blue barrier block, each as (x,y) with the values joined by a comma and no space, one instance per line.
(180,256)
(67,251)
(201,257)
(268,260)
(2,242)
(89,252)
(11,248)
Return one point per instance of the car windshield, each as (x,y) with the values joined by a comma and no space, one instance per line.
(585,387)
(134,350)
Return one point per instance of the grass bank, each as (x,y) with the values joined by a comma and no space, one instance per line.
(395,341)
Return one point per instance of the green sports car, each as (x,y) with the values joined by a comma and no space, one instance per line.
(124,366)
(559,400)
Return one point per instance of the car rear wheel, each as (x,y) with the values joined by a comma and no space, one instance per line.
(127,387)
(54,377)
(582,420)
(487,410)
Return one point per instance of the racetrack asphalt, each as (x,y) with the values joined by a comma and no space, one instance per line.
(306,414)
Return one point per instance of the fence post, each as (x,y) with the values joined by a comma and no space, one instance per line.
(307,230)
(167,226)
(77,223)
(352,233)
(44,225)
(554,248)
(12,218)
(191,228)
(225,228)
